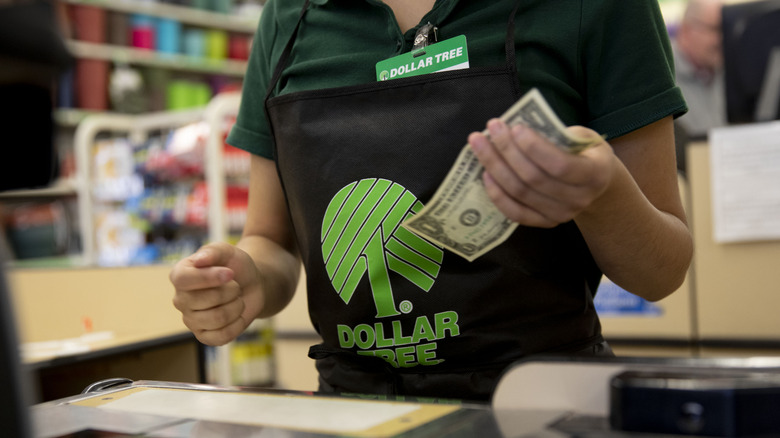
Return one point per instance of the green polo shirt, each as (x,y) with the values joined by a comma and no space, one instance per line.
(605,64)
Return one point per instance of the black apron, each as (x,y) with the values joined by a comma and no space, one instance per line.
(397,314)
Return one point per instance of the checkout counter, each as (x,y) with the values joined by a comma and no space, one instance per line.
(592,397)
(79,325)
(728,310)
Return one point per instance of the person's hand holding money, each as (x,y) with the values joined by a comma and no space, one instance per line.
(535,183)
(531,175)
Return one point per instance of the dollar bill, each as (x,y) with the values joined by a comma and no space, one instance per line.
(460,216)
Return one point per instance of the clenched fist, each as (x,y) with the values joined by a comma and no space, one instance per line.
(218,292)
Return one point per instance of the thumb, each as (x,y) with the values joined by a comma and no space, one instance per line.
(583,132)
(213,254)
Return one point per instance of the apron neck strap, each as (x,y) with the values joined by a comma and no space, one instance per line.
(282,63)
(509,41)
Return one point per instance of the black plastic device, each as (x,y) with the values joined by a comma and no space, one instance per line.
(702,403)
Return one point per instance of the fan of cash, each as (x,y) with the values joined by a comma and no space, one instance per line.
(460,216)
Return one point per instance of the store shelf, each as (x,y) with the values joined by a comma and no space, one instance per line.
(187,15)
(69,261)
(136,126)
(60,188)
(149,58)
(71,117)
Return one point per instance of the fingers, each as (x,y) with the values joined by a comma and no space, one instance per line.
(210,295)
(531,209)
(520,189)
(514,209)
(214,315)
(185,276)
(221,336)
(214,318)
(213,254)
(532,181)
(203,299)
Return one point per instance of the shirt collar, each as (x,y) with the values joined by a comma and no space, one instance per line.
(445,9)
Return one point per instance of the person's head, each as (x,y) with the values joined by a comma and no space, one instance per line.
(32,56)
(700,35)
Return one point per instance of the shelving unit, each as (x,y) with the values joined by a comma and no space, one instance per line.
(61,188)
(137,128)
(188,15)
(133,127)
(77,126)
(222,366)
(148,58)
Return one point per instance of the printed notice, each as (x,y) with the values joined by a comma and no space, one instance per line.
(745,172)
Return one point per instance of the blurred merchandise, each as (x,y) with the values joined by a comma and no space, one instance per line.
(236,162)
(194,42)
(216,44)
(250,356)
(142,31)
(239,46)
(168,36)
(249,8)
(156,84)
(66,91)
(114,171)
(120,238)
(185,93)
(237,203)
(92,84)
(187,147)
(118,28)
(35,230)
(200,4)
(126,90)
(222,6)
(89,23)
(151,199)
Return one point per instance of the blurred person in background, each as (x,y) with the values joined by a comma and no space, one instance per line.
(32,55)
(698,61)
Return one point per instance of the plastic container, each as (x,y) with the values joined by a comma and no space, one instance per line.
(92,84)
(89,23)
(142,30)
(216,44)
(194,42)
(168,36)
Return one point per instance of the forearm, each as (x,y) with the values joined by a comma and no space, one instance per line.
(278,268)
(645,250)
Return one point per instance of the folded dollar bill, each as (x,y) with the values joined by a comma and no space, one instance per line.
(460,216)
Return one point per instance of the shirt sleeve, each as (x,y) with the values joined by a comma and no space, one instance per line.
(628,65)
(251,132)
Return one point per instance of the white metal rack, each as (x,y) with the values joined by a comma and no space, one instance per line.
(137,127)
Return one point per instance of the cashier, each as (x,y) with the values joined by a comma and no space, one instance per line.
(339,155)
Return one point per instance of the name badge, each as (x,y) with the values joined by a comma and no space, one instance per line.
(451,54)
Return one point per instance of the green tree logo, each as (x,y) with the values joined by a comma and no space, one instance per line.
(361,234)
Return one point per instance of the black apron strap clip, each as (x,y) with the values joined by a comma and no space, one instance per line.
(426,35)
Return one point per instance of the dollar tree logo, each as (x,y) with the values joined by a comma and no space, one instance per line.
(361,235)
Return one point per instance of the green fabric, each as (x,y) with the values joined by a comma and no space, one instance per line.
(605,64)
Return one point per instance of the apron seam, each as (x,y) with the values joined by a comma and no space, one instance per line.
(386,85)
